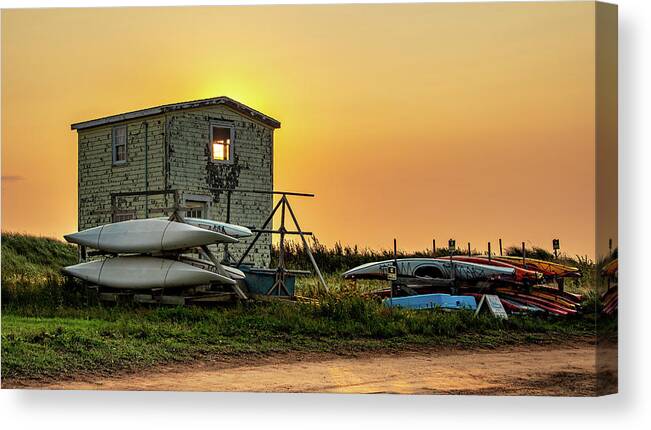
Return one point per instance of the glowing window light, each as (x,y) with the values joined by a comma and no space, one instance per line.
(221,144)
(218,151)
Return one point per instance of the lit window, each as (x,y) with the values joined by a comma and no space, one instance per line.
(220,139)
(120,145)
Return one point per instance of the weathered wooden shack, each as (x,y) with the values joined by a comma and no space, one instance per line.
(144,163)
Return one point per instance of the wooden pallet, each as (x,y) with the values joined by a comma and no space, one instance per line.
(163,299)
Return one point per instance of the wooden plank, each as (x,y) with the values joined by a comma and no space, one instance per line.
(212,298)
(268,298)
(113,297)
(242,190)
(257,230)
(222,271)
(272,271)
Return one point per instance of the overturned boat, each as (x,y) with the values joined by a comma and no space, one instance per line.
(146,236)
(432,301)
(521,274)
(549,269)
(431,268)
(143,272)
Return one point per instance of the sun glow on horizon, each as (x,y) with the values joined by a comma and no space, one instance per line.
(471,121)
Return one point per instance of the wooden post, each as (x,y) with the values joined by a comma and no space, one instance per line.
(281,255)
(220,269)
(451,248)
(307,247)
(524,254)
(227,254)
(113,207)
(257,236)
(280,271)
(395,263)
(500,247)
(228,206)
(279,284)
(177,204)
(395,253)
(489,251)
(146,170)
(433,247)
(469,249)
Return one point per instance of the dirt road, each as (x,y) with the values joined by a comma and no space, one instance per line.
(532,370)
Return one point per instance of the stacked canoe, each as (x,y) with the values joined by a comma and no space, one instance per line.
(519,283)
(151,253)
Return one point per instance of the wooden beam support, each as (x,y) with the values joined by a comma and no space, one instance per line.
(307,247)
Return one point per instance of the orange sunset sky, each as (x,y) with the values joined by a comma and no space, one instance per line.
(471,121)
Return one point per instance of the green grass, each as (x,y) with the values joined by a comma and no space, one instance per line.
(31,276)
(33,259)
(68,341)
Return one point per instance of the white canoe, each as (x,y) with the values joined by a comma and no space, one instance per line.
(430,268)
(146,235)
(140,272)
(232,230)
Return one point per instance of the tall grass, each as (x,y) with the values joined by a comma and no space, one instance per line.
(31,276)
(33,258)
(339,258)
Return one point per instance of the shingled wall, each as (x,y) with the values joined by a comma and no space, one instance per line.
(178,157)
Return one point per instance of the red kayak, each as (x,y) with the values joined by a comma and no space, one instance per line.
(538,302)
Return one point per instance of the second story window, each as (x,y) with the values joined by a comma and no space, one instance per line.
(220,143)
(120,144)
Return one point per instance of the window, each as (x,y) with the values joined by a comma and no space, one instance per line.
(120,145)
(123,216)
(221,143)
(195,209)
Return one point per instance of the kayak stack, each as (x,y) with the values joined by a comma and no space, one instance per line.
(152,253)
(521,284)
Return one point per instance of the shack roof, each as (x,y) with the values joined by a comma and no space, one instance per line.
(226,101)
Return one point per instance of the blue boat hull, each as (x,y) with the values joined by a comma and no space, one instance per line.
(431,301)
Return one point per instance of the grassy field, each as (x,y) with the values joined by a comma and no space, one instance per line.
(49,331)
(65,341)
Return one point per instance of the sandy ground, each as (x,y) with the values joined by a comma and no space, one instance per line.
(533,370)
